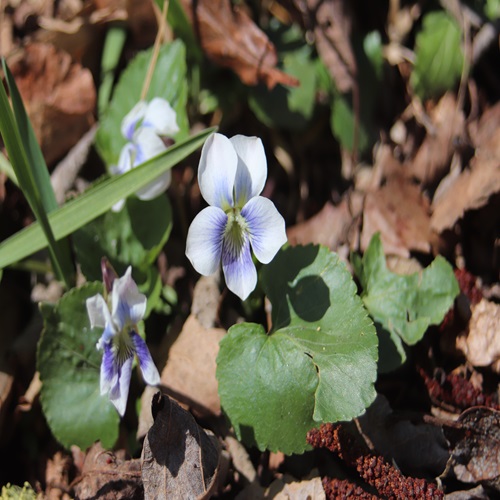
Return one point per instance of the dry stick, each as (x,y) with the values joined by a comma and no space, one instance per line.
(156,50)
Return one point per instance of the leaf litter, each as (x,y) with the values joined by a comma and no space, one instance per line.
(429,186)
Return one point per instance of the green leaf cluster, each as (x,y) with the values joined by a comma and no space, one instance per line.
(318,363)
(439,57)
(69,366)
(403,307)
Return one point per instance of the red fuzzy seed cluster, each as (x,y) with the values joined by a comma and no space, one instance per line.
(373,469)
(341,489)
(456,391)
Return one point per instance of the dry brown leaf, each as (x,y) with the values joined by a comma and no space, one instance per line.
(230,38)
(472,188)
(179,458)
(400,213)
(57,477)
(59,96)
(107,476)
(433,157)
(331,25)
(481,345)
(328,227)
(287,488)
(190,368)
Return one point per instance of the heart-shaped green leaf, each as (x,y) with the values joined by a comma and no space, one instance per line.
(317,365)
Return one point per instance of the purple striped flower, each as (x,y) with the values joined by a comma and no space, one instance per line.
(143,127)
(120,341)
(231,175)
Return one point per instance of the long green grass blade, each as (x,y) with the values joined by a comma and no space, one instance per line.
(7,169)
(94,202)
(19,161)
(32,173)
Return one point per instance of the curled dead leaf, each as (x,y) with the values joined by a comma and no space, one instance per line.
(179,458)
(230,38)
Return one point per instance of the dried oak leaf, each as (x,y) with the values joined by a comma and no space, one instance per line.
(481,345)
(230,38)
(432,160)
(107,476)
(329,227)
(474,186)
(59,96)
(400,212)
(286,488)
(475,447)
(179,458)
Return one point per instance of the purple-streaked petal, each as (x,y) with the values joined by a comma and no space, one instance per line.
(118,393)
(266,228)
(155,188)
(148,145)
(109,371)
(217,171)
(98,311)
(130,120)
(204,240)
(129,305)
(252,168)
(160,117)
(146,363)
(239,269)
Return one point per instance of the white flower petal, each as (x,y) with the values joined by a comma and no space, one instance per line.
(266,227)
(118,206)
(155,188)
(252,168)
(204,240)
(98,311)
(148,145)
(128,304)
(130,120)
(217,171)
(239,269)
(118,394)
(126,159)
(148,367)
(161,117)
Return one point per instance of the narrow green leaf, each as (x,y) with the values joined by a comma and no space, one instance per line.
(69,366)
(98,199)
(7,169)
(318,364)
(36,161)
(111,52)
(23,152)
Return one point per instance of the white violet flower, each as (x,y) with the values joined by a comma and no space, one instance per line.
(120,341)
(231,175)
(144,126)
